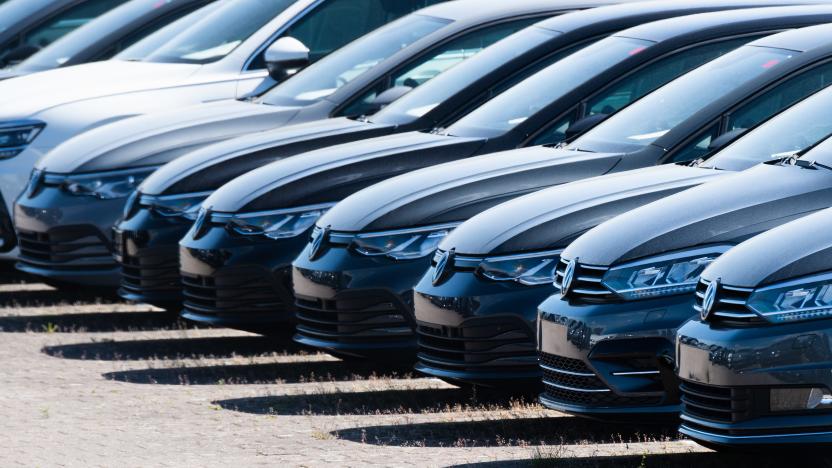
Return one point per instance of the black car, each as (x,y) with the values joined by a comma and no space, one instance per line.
(26,26)
(627,284)
(297,186)
(504,258)
(429,203)
(755,360)
(147,240)
(106,35)
(410,51)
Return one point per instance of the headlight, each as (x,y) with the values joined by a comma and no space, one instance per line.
(278,224)
(16,136)
(405,244)
(175,206)
(661,276)
(102,185)
(796,302)
(529,269)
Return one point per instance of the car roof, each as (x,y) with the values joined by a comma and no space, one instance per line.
(477,10)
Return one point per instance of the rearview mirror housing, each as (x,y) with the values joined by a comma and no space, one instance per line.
(285,57)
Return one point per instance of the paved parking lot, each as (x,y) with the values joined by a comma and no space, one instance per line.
(92,382)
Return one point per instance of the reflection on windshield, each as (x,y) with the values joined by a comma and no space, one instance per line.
(153,42)
(334,71)
(425,98)
(220,32)
(647,120)
(517,104)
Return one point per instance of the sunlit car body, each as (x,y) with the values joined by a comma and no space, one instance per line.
(208,61)
(630,281)
(106,35)
(432,201)
(755,360)
(408,51)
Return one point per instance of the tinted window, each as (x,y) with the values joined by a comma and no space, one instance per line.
(648,119)
(152,43)
(517,104)
(67,21)
(326,76)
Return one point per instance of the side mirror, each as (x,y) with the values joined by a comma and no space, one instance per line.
(387,97)
(725,139)
(285,57)
(580,126)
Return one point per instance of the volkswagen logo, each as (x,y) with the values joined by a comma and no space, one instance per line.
(709,299)
(442,265)
(568,277)
(318,238)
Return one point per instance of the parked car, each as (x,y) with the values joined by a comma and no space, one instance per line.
(208,61)
(409,51)
(627,284)
(26,26)
(504,258)
(325,176)
(106,35)
(754,360)
(380,241)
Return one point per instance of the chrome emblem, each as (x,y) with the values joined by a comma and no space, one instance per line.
(709,299)
(445,261)
(568,277)
(318,238)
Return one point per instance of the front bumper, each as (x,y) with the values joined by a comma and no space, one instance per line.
(238,282)
(67,238)
(147,248)
(358,306)
(478,332)
(611,359)
(728,375)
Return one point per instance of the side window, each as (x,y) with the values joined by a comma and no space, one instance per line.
(335,23)
(67,21)
(698,147)
(140,34)
(780,97)
(657,74)
(437,61)
(556,132)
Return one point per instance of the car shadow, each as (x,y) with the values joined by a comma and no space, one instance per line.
(507,431)
(550,459)
(407,401)
(93,322)
(244,374)
(52,297)
(174,348)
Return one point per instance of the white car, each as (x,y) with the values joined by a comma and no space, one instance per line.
(221,56)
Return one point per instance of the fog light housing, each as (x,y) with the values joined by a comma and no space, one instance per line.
(797,399)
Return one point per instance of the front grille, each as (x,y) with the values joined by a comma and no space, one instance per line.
(478,344)
(371,317)
(730,304)
(572,382)
(241,292)
(143,274)
(73,247)
(717,404)
(586,283)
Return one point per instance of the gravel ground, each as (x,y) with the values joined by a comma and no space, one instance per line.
(87,381)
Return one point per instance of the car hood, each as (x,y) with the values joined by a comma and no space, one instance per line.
(208,168)
(27,96)
(767,258)
(333,173)
(457,190)
(551,218)
(725,211)
(158,138)
(11,73)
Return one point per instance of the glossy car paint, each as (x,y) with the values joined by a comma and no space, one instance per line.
(741,355)
(452,193)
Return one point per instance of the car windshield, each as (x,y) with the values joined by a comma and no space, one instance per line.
(517,104)
(334,71)
(86,36)
(788,133)
(219,32)
(654,115)
(16,11)
(425,98)
(153,42)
